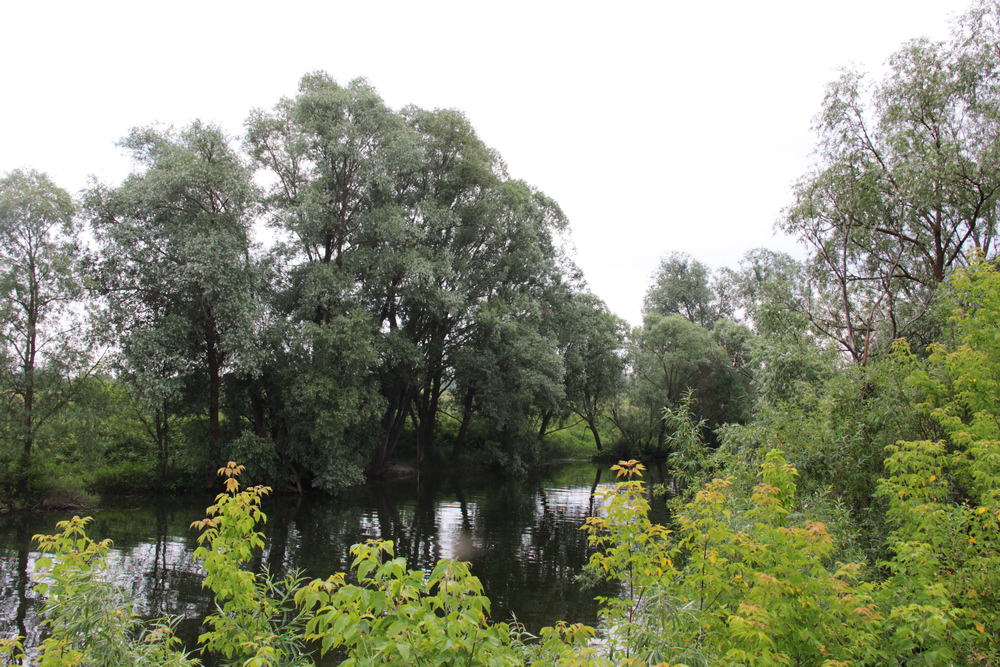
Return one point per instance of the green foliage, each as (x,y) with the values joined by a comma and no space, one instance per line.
(592,342)
(634,552)
(573,439)
(11,651)
(690,457)
(391,615)
(909,447)
(566,645)
(735,585)
(670,356)
(762,292)
(414,267)
(254,622)
(513,368)
(42,355)
(176,270)
(835,433)
(681,287)
(127,477)
(89,620)
(409,265)
(399,616)
(265,465)
(737,581)
(944,495)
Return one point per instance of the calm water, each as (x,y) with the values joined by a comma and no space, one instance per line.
(522,537)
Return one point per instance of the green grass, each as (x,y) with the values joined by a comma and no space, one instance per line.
(573,441)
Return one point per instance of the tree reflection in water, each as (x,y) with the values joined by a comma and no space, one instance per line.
(522,536)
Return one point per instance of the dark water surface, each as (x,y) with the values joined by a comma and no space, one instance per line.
(522,537)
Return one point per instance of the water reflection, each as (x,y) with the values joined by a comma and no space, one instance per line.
(522,537)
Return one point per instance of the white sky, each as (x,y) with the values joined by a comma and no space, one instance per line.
(658,126)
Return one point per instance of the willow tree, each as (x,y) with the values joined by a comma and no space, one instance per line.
(342,163)
(445,258)
(507,364)
(681,286)
(594,357)
(907,185)
(405,225)
(176,268)
(39,283)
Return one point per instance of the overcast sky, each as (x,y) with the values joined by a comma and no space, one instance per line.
(658,126)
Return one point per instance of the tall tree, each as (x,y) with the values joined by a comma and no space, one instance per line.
(444,258)
(39,284)
(344,165)
(906,188)
(176,266)
(406,219)
(594,357)
(763,291)
(769,291)
(668,355)
(681,287)
(506,351)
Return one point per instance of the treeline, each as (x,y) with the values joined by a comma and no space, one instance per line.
(412,295)
(407,279)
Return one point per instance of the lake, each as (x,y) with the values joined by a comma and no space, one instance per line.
(522,536)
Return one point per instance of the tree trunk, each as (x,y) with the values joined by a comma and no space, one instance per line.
(392,426)
(661,435)
(294,476)
(463,430)
(28,417)
(544,426)
(214,358)
(427,408)
(592,423)
(161,425)
(257,406)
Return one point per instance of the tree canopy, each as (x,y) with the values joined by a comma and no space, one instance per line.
(906,188)
(40,284)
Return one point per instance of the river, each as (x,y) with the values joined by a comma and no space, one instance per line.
(522,536)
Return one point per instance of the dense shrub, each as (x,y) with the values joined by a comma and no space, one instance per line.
(127,477)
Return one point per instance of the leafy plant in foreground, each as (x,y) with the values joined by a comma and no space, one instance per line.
(89,619)
(392,615)
(734,586)
(943,589)
(254,619)
(398,616)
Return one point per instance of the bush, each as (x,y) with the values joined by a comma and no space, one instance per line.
(89,620)
(737,585)
(125,478)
